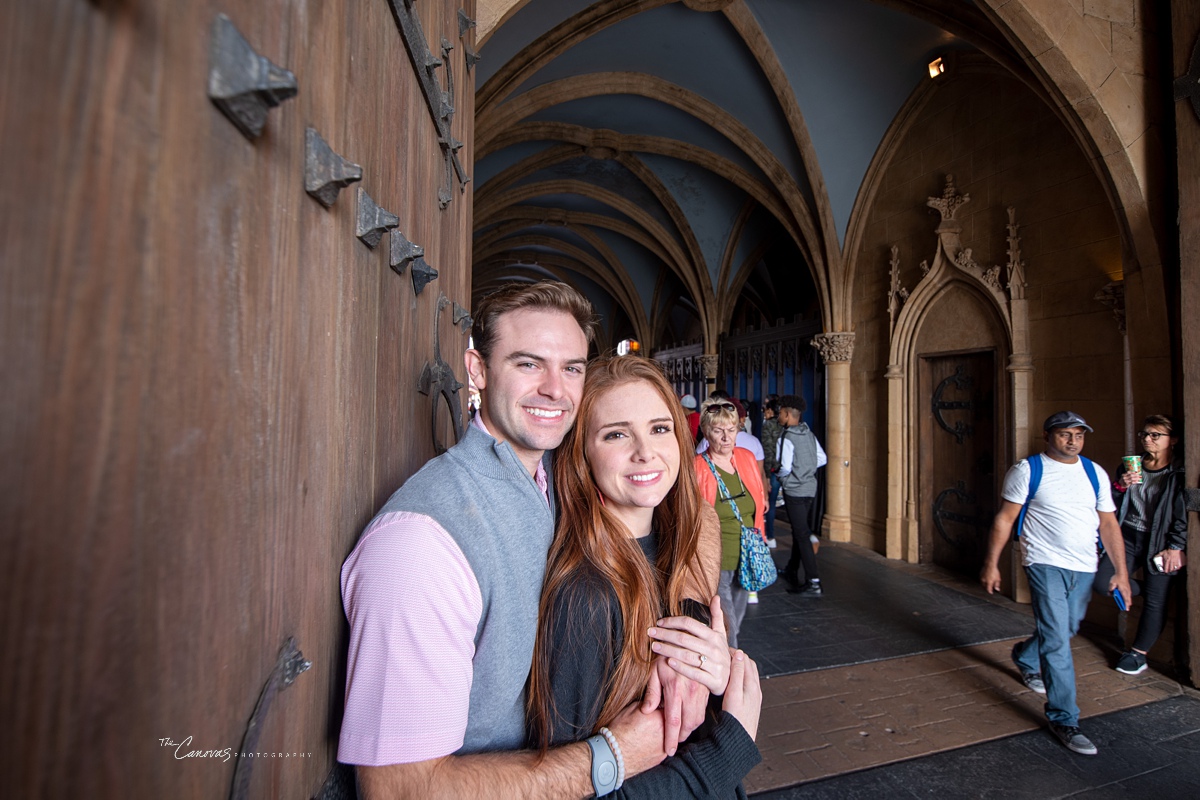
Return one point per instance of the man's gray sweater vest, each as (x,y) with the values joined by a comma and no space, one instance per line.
(802,480)
(481,493)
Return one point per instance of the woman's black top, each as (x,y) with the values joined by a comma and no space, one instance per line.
(587,634)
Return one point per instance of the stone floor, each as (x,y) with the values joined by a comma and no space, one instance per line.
(899,662)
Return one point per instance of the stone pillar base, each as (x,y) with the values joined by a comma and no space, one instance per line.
(836,529)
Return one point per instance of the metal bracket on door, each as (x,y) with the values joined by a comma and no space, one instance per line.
(288,666)
(940,513)
(961,382)
(325,172)
(242,83)
(439,383)
(439,101)
(373,221)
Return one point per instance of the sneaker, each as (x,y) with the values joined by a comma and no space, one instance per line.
(809,589)
(1073,739)
(1132,663)
(1032,680)
(752,600)
(779,501)
(771,544)
(792,580)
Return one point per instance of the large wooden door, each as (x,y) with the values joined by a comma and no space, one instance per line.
(210,382)
(957,458)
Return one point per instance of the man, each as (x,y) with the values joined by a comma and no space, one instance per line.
(1070,500)
(800,456)
(442,590)
(771,431)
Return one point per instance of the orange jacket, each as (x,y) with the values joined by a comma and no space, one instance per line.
(752,478)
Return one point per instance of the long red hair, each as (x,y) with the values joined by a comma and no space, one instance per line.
(591,543)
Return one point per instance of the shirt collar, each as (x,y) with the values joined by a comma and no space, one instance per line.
(539,475)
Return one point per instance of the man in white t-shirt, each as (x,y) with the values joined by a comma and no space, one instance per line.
(1071,501)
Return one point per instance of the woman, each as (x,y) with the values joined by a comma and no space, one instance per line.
(742,476)
(1153,517)
(635,540)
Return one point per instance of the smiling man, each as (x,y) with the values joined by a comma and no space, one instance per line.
(1066,499)
(442,589)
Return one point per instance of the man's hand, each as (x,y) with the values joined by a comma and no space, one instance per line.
(640,736)
(684,700)
(743,697)
(1002,527)
(989,576)
(1114,545)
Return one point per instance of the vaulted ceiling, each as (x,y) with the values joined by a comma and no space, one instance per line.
(693,166)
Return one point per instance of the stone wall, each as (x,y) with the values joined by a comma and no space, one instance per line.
(1004,147)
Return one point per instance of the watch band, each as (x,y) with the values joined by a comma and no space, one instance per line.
(604,766)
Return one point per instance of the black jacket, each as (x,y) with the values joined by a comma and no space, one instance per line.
(1168,528)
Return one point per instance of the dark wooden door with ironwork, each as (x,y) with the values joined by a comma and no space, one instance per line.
(957,458)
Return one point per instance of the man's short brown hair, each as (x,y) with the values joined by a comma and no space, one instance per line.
(546,295)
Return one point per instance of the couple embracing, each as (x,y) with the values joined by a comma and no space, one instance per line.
(523,625)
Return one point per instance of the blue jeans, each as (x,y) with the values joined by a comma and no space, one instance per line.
(769,521)
(1060,598)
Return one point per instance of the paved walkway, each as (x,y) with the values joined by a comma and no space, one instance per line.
(898,662)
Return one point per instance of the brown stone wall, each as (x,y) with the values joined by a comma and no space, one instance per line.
(1004,147)
(209,382)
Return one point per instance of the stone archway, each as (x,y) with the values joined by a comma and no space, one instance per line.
(1001,294)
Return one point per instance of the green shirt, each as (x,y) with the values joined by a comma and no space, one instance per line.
(731,530)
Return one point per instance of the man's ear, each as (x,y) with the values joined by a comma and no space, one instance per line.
(476,368)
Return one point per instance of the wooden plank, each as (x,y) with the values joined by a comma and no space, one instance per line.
(213,382)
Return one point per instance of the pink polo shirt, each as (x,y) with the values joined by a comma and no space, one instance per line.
(414,606)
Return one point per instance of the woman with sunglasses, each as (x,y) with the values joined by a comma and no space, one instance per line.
(1152,511)
(742,477)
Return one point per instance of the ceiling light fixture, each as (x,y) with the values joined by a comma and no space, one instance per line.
(936,67)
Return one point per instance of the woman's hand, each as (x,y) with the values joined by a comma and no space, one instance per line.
(743,698)
(695,650)
(1127,480)
(1173,560)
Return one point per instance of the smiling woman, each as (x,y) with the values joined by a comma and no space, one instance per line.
(635,542)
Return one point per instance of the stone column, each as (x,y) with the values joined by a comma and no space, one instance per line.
(709,362)
(900,536)
(836,350)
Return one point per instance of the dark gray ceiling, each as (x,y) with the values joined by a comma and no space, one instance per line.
(697,161)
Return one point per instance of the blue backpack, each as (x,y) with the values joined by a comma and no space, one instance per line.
(1035,479)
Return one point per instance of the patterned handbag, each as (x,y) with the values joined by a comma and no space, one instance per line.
(756,569)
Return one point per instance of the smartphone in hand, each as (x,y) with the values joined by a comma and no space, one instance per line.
(1120,600)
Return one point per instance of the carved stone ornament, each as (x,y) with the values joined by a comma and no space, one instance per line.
(897,294)
(243,84)
(373,221)
(325,172)
(950,201)
(403,252)
(1113,296)
(422,275)
(1016,267)
(834,347)
(708,362)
